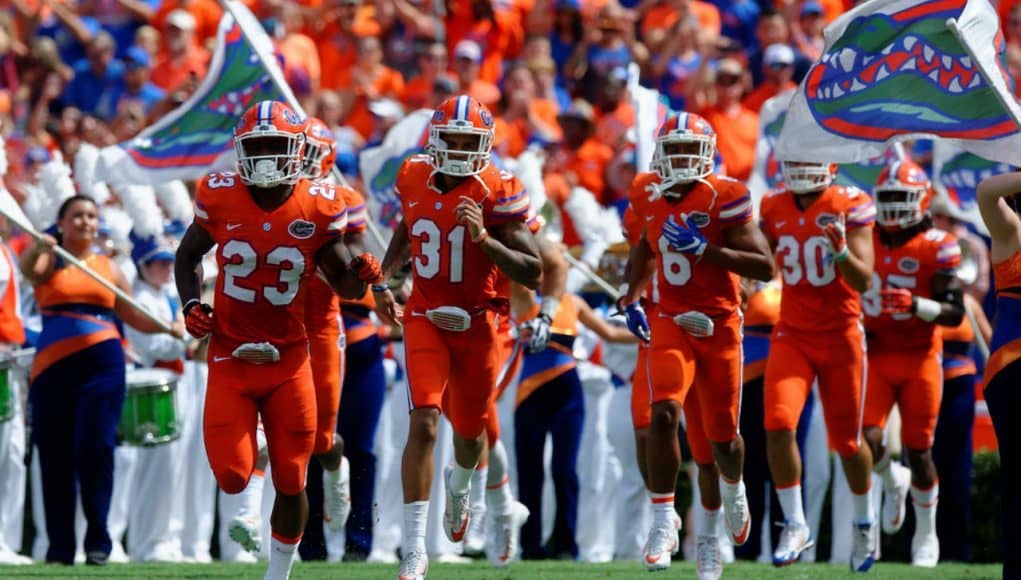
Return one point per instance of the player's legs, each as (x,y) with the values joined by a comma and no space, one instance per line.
(289,418)
(428,367)
(326,354)
(245,527)
(919,403)
(842,388)
(229,423)
(641,409)
(718,379)
(887,374)
(469,397)
(787,382)
(671,372)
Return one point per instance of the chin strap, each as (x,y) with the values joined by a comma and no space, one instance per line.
(658,190)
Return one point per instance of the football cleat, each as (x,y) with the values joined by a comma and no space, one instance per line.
(708,562)
(414,566)
(738,518)
(337,496)
(793,541)
(895,498)
(503,535)
(863,551)
(245,530)
(925,550)
(456,513)
(662,543)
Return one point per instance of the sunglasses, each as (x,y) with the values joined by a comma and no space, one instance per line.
(727,80)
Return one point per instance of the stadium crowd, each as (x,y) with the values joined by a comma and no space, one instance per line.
(79,75)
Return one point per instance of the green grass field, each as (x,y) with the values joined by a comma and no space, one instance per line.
(482,571)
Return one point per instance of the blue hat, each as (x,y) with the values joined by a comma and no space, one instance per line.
(37,154)
(137,57)
(150,249)
(811,7)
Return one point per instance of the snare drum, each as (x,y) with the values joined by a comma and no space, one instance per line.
(7,392)
(150,408)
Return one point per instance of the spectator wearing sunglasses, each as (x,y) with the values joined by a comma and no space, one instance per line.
(777,71)
(737,127)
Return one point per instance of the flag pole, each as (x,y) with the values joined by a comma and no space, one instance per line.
(980,65)
(285,89)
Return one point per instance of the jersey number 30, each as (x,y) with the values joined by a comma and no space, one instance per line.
(806,261)
(289,259)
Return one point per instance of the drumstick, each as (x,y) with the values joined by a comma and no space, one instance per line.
(12,210)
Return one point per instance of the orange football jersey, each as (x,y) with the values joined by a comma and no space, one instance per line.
(910,266)
(265,257)
(322,305)
(815,297)
(681,282)
(449,269)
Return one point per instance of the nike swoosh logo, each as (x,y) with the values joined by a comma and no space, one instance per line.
(781,224)
(217,359)
(412,203)
(649,218)
(232,227)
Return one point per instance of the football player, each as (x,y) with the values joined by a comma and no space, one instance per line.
(463,221)
(272,230)
(324,329)
(914,288)
(822,236)
(698,239)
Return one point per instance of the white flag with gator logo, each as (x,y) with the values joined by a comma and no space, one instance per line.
(899,69)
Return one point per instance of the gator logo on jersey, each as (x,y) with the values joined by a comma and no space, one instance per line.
(824,219)
(698,219)
(301,229)
(908,265)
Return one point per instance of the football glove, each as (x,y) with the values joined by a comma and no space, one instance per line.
(368,267)
(637,322)
(897,301)
(198,318)
(541,332)
(686,238)
(836,239)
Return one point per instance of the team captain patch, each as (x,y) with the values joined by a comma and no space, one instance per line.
(301,229)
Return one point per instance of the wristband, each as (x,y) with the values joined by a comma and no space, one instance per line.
(379,288)
(842,256)
(926,309)
(483,236)
(189,304)
(549,306)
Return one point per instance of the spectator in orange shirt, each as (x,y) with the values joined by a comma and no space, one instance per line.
(495,26)
(432,64)
(372,82)
(737,128)
(338,44)
(206,13)
(581,159)
(777,69)
(615,114)
(182,57)
(301,57)
(467,59)
(523,115)
(660,17)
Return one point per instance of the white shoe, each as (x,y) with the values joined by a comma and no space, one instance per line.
(475,538)
(245,529)
(678,524)
(661,544)
(793,541)
(414,566)
(456,513)
(503,535)
(863,552)
(243,557)
(738,519)
(337,496)
(117,554)
(895,499)
(9,558)
(925,550)
(708,563)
